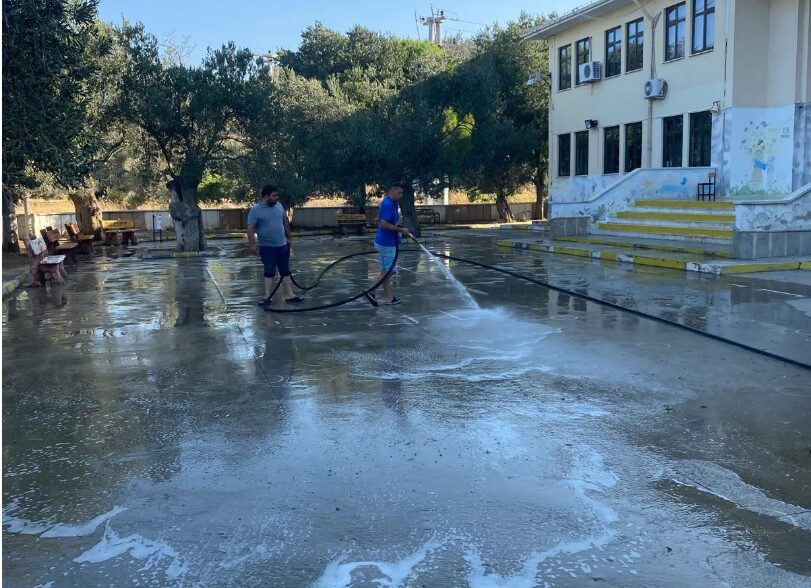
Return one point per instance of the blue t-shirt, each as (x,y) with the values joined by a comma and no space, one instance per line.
(388,212)
(269,223)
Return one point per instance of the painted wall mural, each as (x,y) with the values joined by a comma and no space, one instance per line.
(761,146)
(641,184)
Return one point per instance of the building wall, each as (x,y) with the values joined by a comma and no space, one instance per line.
(755,80)
(695,83)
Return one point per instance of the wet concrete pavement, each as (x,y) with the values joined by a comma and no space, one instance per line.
(160,430)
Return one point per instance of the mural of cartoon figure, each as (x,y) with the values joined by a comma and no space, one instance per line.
(764,155)
(760,141)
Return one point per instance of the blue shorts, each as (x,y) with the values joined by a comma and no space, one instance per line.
(275,257)
(387,254)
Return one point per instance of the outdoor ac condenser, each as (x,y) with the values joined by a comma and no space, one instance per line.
(590,72)
(655,89)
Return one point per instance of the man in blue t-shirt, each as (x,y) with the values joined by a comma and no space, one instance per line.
(388,233)
(268,220)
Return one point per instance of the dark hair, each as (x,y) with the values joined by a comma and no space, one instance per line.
(268,189)
(396,185)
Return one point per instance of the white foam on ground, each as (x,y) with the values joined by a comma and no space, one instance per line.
(714,479)
(88,528)
(23,526)
(588,474)
(496,346)
(154,553)
(338,574)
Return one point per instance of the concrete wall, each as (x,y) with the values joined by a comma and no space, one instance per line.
(641,184)
(772,228)
(793,213)
(224,220)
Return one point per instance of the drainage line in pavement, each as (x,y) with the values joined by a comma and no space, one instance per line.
(513,274)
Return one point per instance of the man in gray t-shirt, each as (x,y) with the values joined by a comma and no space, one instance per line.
(268,220)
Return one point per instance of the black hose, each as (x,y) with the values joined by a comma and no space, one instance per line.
(585,297)
(368,293)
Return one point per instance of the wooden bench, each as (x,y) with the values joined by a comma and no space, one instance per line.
(85,242)
(44,268)
(428,215)
(114,227)
(354,221)
(52,239)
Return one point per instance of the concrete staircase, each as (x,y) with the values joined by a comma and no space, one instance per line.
(673,220)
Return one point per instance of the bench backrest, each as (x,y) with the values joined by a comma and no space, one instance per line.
(116,224)
(73,230)
(50,236)
(345,217)
(36,248)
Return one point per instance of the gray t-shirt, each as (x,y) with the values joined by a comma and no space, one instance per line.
(269,223)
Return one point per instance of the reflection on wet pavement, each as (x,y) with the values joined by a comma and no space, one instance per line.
(160,430)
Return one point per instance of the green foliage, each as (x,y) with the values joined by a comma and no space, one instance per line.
(344,112)
(509,142)
(193,114)
(49,55)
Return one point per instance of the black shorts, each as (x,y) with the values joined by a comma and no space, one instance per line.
(275,257)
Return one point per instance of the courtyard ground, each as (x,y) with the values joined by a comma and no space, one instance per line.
(159,429)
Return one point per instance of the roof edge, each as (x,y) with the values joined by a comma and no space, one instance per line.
(573,18)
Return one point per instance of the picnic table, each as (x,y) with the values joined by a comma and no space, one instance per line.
(355,221)
(115,228)
(428,215)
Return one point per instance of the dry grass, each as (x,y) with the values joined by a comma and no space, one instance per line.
(64,205)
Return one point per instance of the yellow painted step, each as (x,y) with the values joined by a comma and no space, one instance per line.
(685,204)
(663,246)
(664,230)
(677,216)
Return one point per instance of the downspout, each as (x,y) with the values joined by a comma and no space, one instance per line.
(724,165)
(654,20)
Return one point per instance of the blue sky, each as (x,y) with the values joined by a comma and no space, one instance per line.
(262,25)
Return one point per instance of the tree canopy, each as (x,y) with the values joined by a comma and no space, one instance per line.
(109,107)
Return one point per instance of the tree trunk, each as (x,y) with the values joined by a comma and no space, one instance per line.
(409,211)
(186,216)
(88,210)
(361,199)
(540,197)
(11,241)
(505,215)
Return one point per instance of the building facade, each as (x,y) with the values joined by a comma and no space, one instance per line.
(736,100)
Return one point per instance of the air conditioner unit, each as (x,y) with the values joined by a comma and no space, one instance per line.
(655,89)
(590,72)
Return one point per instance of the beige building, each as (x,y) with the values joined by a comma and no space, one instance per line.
(692,85)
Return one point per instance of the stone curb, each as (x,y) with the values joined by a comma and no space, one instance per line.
(708,267)
(12,285)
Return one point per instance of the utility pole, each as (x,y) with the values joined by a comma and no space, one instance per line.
(272,60)
(434,24)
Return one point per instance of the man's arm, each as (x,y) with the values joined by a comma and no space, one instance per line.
(394,228)
(287,228)
(252,238)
